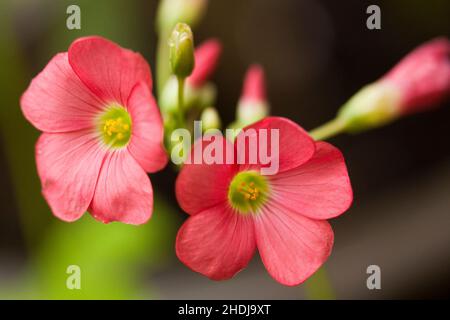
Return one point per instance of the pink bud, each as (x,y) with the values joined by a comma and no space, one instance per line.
(254,84)
(253,105)
(206,58)
(422,77)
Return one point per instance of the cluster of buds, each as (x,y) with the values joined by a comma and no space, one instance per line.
(199,93)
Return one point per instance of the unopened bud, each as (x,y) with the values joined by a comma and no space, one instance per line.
(422,77)
(417,83)
(181,43)
(206,57)
(210,119)
(253,105)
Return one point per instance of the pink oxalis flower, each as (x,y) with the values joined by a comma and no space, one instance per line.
(102,131)
(234,209)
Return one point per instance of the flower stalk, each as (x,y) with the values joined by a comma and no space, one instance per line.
(181,82)
(170,12)
(328,130)
(182,62)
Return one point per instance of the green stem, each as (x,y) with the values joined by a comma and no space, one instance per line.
(180,111)
(328,130)
(318,287)
(181,82)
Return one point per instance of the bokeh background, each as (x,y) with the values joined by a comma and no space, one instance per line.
(316,54)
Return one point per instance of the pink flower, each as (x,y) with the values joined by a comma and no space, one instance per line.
(206,57)
(102,132)
(234,209)
(422,77)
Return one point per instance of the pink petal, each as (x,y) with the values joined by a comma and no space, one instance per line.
(146,143)
(254,84)
(206,58)
(57,101)
(217,242)
(319,189)
(68,165)
(295,146)
(108,70)
(202,186)
(124,192)
(292,247)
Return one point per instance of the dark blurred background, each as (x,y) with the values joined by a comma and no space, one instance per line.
(316,55)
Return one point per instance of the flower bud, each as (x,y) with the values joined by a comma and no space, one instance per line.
(206,58)
(210,119)
(417,83)
(422,77)
(205,96)
(181,43)
(253,105)
(168,102)
(170,12)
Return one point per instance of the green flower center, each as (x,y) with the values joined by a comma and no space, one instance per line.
(248,192)
(115,126)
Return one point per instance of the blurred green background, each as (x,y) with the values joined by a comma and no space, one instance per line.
(316,54)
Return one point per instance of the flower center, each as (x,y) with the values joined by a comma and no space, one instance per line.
(248,192)
(115,126)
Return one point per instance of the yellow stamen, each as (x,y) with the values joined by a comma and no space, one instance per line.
(117,127)
(249,192)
